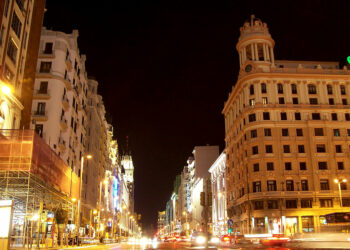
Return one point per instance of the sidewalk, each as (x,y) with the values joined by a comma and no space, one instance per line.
(55,248)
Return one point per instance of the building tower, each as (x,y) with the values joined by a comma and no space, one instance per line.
(128,166)
(287,140)
(255,46)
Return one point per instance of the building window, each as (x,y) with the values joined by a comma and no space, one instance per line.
(291,204)
(297,116)
(288,166)
(45,67)
(331,101)
(344,101)
(267,132)
(324,184)
(40,108)
(12,51)
(266,115)
(338,149)
(326,203)
(318,132)
(304,185)
(272,204)
(271,186)
(283,116)
(294,88)
(348,130)
(346,202)
(48,48)
(256,167)
(268,149)
(343,186)
(316,116)
(280,88)
(263,88)
(252,118)
(302,165)
(347,117)
(301,148)
(313,101)
(264,100)
(334,117)
(320,148)
(43,87)
(253,133)
(255,150)
(281,100)
(340,165)
(258,205)
(39,129)
(311,89)
(290,185)
(256,186)
(6,10)
(336,132)
(342,90)
(329,89)
(252,102)
(16,25)
(295,100)
(251,89)
(285,132)
(286,149)
(269,166)
(322,165)
(299,131)
(306,203)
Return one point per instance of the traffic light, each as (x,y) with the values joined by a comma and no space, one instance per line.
(210,199)
(202,199)
(230,230)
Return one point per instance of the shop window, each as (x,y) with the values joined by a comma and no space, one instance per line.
(291,204)
(307,223)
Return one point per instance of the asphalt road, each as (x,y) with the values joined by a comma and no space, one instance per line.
(289,246)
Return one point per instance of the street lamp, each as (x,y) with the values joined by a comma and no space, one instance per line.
(339,181)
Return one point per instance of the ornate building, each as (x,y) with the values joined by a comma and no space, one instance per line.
(287,126)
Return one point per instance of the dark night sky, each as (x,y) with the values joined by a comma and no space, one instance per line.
(165,69)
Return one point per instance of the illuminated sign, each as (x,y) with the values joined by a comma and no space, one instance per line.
(348,58)
(115,192)
(5,218)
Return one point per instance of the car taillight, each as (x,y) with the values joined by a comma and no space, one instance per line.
(226,239)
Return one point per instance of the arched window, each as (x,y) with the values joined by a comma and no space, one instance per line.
(280,88)
(311,88)
(329,89)
(294,88)
(251,89)
(263,88)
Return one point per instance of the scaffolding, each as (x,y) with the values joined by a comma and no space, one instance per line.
(35,178)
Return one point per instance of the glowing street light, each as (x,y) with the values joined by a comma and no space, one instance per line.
(339,181)
(6,90)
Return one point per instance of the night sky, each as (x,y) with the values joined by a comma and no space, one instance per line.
(165,69)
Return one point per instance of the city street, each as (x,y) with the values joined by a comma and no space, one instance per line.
(300,245)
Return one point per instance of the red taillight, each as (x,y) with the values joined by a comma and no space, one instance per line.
(226,239)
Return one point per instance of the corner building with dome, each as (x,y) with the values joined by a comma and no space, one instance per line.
(287,134)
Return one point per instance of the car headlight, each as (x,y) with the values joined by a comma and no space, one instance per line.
(200,240)
(215,240)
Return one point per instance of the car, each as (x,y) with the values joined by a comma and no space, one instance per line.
(200,239)
(275,240)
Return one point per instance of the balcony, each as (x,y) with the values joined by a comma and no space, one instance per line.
(40,115)
(76,90)
(40,94)
(61,144)
(65,102)
(63,124)
(69,64)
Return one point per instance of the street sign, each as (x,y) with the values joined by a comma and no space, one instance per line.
(230,222)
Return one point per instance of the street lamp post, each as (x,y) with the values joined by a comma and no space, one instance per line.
(339,181)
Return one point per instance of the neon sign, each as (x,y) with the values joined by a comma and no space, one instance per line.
(115,192)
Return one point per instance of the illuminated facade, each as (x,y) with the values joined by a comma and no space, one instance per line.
(128,166)
(218,189)
(19,39)
(287,139)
